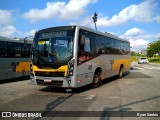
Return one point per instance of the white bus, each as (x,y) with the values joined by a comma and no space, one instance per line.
(74,56)
(14,58)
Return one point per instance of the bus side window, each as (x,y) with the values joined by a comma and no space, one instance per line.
(10,49)
(26,50)
(18,49)
(84,49)
(3,49)
(87,45)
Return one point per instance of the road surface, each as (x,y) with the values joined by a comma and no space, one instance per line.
(138,90)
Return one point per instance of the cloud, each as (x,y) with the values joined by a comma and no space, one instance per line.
(138,45)
(137,39)
(30,33)
(157,18)
(132,33)
(86,21)
(6,21)
(11,31)
(59,10)
(7,30)
(6,17)
(136,33)
(142,12)
(151,36)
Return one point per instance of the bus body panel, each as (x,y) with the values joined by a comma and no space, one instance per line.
(53,81)
(63,81)
(42,75)
(14,57)
(14,67)
(109,64)
(83,72)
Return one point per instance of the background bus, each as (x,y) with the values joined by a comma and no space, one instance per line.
(14,58)
(74,56)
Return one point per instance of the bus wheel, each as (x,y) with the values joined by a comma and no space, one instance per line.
(96,80)
(120,72)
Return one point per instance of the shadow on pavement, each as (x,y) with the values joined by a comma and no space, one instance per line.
(122,110)
(80,89)
(15,79)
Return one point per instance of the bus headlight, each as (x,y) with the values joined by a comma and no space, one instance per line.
(70,73)
(71,68)
(69,81)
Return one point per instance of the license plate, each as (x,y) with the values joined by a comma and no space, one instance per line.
(47,80)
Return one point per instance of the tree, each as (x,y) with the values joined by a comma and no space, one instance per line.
(133,53)
(153,48)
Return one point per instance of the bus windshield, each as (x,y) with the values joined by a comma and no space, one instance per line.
(53,48)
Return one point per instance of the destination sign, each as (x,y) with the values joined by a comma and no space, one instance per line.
(54,34)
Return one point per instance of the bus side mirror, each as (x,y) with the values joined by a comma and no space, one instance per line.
(25,40)
(25,43)
(82,40)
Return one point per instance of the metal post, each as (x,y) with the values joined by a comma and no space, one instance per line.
(95,26)
(95,19)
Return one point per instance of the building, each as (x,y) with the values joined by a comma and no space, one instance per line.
(143,52)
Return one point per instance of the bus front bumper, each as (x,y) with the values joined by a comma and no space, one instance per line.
(54,81)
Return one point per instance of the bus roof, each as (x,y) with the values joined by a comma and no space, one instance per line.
(102,33)
(84,28)
(17,40)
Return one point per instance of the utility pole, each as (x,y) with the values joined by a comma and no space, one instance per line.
(95,19)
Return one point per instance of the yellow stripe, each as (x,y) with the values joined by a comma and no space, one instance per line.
(117,63)
(23,66)
(60,69)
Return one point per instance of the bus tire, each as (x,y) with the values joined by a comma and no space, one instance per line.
(120,72)
(96,80)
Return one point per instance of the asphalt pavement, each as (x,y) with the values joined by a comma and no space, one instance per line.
(134,95)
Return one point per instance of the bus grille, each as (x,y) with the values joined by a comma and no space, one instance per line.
(53,83)
(49,74)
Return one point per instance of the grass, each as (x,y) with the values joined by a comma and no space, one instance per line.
(154,60)
(151,60)
(134,58)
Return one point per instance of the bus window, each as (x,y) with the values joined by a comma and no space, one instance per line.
(100,44)
(26,50)
(10,49)
(87,45)
(17,49)
(3,49)
(85,52)
(14,49)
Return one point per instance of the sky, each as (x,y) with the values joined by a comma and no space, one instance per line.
(135,20)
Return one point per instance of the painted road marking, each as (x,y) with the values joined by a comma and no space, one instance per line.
(90,97)
(114,97)
(150,68)
(138,68)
